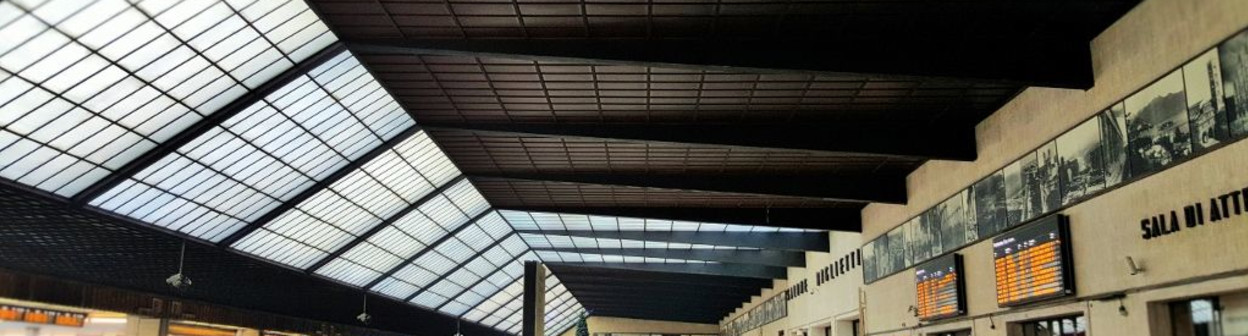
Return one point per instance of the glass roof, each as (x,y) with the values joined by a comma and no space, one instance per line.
(86,86)
(255,160)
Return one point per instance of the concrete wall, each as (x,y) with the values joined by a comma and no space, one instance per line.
(824,305)
(1149,42)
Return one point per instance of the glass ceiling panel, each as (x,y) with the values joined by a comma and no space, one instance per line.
(556,256)
(248,165)
(446,257)
(87,86)
(402,239)
(355,204)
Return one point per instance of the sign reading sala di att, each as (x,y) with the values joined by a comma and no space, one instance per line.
(1195,215)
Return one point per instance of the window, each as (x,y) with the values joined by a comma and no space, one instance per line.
(1197,317)
(963,332)
(1070,325)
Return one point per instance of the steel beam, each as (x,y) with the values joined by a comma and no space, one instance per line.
(756,257)
(737,270)
(832,219)
(575,273)
(1037,61)
(857,189)
(793,241)
(938,141)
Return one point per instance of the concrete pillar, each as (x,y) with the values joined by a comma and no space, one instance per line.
(534,299)
(146,326)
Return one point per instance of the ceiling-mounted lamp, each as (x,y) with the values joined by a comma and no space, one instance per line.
(457,333)
(179,280)
(364,317)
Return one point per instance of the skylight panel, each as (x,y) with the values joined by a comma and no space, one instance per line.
(519,220)
(87,87)
(396,289)
(602,223)
(454,308)
(264,155)
(352,206)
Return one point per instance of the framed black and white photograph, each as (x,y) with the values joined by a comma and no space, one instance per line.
(956,228)
(870,265)
(909,232)
(1017,207)
(1040,180)
(929,224)
(1080,162)
(1202,81)
(884,266)
(1114,144)
(988,196)
(1233,57)
(1157,125)
(920,240)
(896,250)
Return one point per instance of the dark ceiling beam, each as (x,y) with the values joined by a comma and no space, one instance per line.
(665,307)
(673,304)
(702,297)
(384,224)
(738,270)
(756,257)
(685,288)
(652,315)
(792,241)
(574,273)
(318,187)
(832,219)
(1034,61)
(638,279)
(903,140)
(860,188)
(162,149)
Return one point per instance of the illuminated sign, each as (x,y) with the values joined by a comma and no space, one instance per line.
(1032,262)
(42,316)
(939,288)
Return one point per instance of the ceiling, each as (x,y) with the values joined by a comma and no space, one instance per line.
(665,159)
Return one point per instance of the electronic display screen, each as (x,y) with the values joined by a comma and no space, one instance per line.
(1032,262)
(42,316)
(939,288)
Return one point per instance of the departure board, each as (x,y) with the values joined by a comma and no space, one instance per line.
(1032,262)
(42,316)
(939,288)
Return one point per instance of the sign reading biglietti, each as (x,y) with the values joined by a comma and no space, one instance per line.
(1195,215)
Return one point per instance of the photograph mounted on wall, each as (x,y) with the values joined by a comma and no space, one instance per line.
(908,232)
(1233,57)
(988,196)
(1114,144)
(915,252)
(927,238)
(1157,125)
(896,251)
(1081,166)
(1040,180)
(1016,209)
(883,257)
(956,228)
(869,263)
(1202,79)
